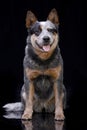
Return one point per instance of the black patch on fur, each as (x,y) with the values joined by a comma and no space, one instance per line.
(52,30)
(35,29)
(43,86)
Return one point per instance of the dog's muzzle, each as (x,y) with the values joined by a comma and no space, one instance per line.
(46,45)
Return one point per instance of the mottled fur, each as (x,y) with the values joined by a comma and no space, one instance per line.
(43,68)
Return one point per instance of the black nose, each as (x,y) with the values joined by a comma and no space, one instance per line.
(46,39)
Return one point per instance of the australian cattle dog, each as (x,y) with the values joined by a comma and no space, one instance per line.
(43,87)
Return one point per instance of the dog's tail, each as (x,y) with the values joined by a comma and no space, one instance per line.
(13,107)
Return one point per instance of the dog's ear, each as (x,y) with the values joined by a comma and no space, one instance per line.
(30,19)
(53,16)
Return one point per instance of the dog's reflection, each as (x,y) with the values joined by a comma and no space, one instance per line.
(12,115)
(40,122)
(27,125)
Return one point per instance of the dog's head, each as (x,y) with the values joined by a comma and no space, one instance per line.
(44,34)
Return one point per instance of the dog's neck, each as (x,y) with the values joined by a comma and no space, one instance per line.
(43,55)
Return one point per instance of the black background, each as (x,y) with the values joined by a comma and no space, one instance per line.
(73,40)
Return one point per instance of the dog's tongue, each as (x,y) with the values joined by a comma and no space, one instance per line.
(46,48)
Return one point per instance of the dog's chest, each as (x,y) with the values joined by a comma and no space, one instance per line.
(43,65)
(34,68)
(43,74)
(53,73)
(43,86)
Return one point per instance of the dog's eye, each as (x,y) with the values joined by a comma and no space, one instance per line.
(37,33)
(52,30)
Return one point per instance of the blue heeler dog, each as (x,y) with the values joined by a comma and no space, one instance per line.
(43,87)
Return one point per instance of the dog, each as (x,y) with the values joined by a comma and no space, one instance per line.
(43,88)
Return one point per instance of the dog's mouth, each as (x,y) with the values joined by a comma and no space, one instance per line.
(45,48)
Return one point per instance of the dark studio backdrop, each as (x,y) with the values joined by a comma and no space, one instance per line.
(73,40)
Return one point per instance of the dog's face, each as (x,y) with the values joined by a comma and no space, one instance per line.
(43,35)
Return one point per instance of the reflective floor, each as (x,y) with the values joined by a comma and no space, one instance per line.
(12,121)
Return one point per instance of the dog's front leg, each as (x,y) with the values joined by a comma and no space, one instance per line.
(59,96)
(29,103)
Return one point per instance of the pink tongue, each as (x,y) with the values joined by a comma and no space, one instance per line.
(46,48)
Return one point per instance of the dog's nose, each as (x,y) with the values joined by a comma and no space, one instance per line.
(46,39)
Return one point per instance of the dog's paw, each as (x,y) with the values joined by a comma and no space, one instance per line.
(59,116)
(27,115)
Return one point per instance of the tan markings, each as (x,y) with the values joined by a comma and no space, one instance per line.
(58,103)
(53,16)
(45,55)
(29,103)
(53,72)
(30,19)
(32,74)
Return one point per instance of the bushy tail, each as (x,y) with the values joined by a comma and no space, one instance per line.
(13,107)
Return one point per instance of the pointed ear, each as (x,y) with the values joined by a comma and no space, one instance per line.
(30,19)
(53,16)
